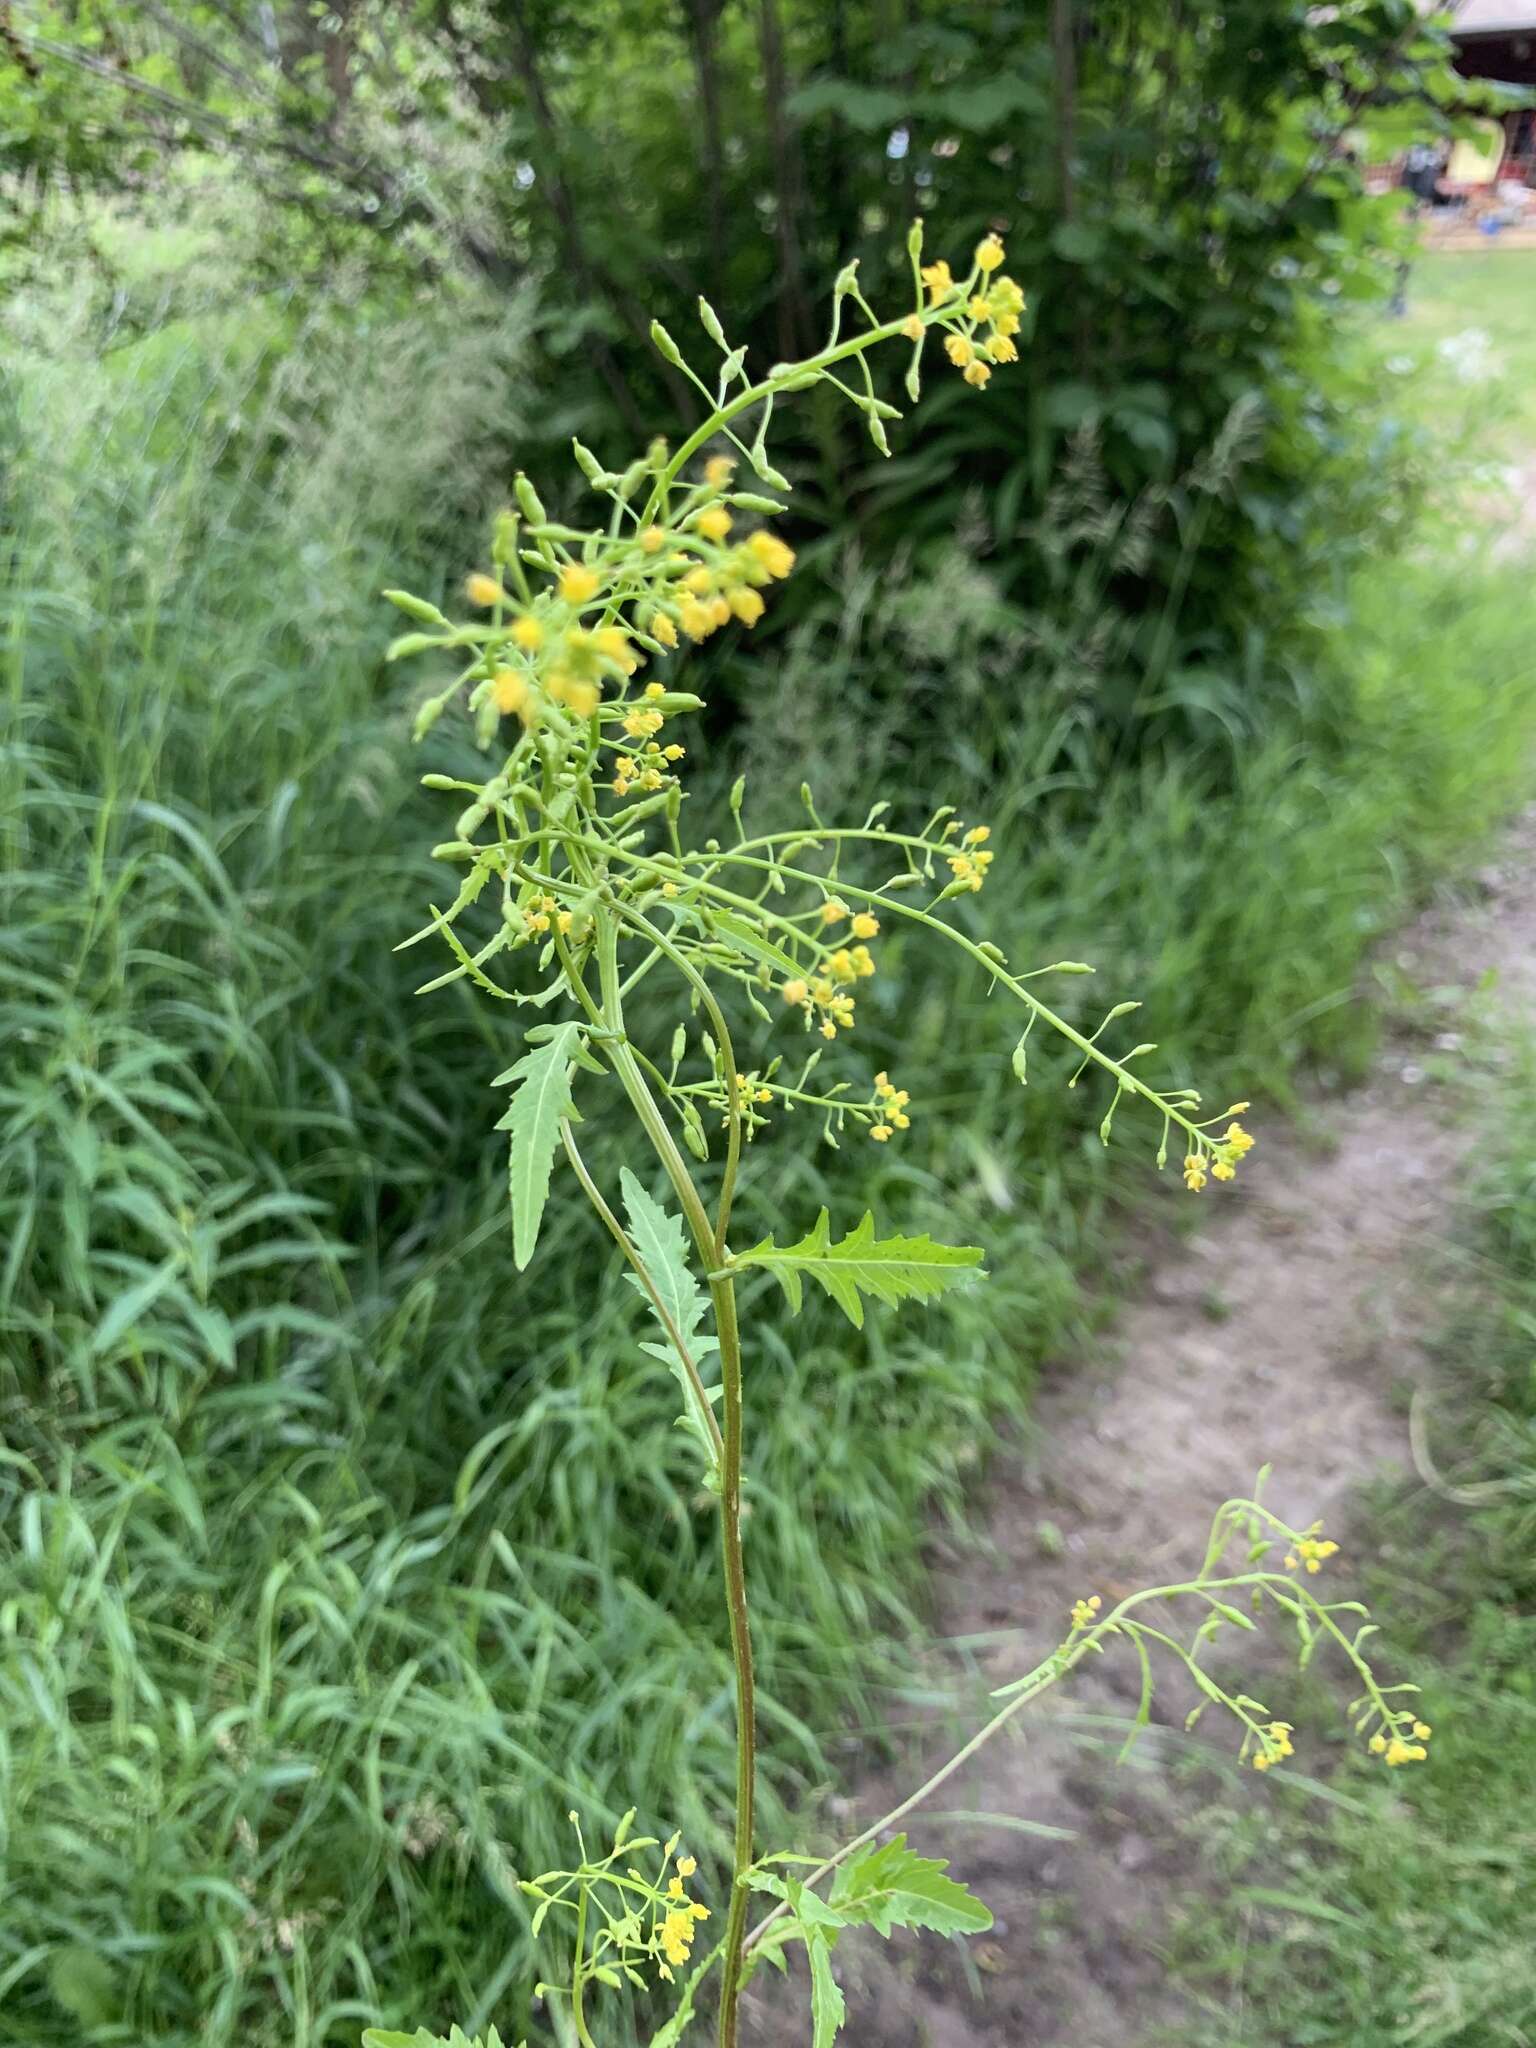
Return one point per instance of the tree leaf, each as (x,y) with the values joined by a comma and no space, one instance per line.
(891,1269)
(895,1887)
(542,1097)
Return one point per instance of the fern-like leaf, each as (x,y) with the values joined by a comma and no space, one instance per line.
(891,1269)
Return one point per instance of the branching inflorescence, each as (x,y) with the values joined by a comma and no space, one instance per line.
(577,843)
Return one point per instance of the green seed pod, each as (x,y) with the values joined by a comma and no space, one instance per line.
(846,279)
(504,538)
(599,478)
(710,321)
(429,714)
(666,347)
(529,499)
(470,820)
(693,1133)
(417,608)
(915,240)
(751,501)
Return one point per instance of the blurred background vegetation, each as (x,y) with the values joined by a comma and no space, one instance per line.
(335,1565)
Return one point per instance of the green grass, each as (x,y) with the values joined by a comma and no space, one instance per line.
(1467,344)
(336,1562)
(1402,1909)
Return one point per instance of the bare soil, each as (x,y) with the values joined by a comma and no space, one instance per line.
(1286,1332)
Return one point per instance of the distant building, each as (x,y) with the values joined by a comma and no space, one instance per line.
(1496,39)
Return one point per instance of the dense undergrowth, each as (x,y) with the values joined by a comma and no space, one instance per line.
(1403,1911)
(337,1561)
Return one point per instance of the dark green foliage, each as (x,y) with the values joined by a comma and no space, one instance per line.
(1177,186)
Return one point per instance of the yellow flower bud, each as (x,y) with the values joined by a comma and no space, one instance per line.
(577,583)
(483,590)
(989,254)
(527,633)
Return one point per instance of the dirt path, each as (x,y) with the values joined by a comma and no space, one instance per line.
(1284,1333)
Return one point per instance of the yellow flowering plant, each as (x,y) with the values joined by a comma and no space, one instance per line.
(576,845)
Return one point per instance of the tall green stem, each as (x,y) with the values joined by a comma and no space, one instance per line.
(722,1293)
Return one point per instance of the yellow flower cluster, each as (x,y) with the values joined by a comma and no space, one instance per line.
(1085,1612)
(970,864)
(986,312)
(679,1923)
(1222,1160)
(1398,1748)
(1275,1745)
(826,996)
(544,914)
(893,1109)
(572,647)
(1312,1551)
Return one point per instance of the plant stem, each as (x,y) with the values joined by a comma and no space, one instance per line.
(723,1294)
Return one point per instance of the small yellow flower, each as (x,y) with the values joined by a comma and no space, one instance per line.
(577,583)
(978,835)
(527,633)
(663,629)
(865,926)
(794,992)
(863,962)
(834,910)
(879,1132)
(1236,1139)
(1222,1169)
(653,539)
(977,373)
(1400,1752)
(1422,1730)
(1378,1744)
(959,350)
(1002,350)
(641,724)
(747,606)
(714,522)
(675,1889)
(938,280)
(582,697)
(719,470)
(773,554)
(615,646)
(483,590)
(676,1935)
(697,620)
(912,327)
(1194,1171)
(1085,1611)
(509,689)
(989,254)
